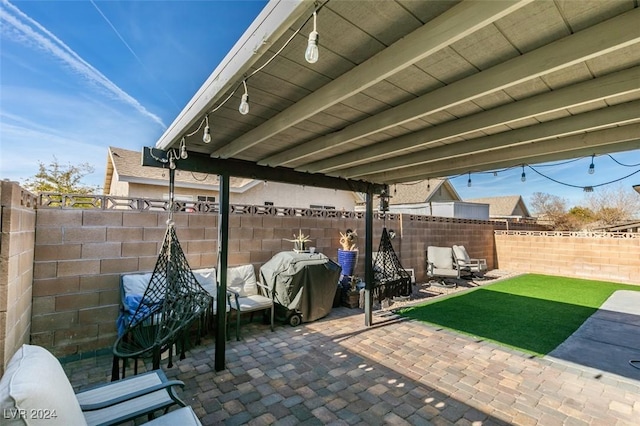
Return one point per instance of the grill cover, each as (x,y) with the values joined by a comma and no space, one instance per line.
(302,282)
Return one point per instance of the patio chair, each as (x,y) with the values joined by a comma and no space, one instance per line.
(35,390)
(247,294)
(467,265)
(440,267)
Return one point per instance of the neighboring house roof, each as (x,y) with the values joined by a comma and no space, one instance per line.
(509,205)
(423,192)
(127,166)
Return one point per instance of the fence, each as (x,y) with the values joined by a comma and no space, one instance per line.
(79,253)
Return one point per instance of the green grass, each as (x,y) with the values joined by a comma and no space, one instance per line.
(533,313)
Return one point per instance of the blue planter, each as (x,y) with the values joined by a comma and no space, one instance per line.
(347,260)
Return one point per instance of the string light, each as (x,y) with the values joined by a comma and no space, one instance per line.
(312,54)
(588,189)
(592,168)
(183,150)
(469,181)
(206,135)
(523,177)
(244,103)
(495,174)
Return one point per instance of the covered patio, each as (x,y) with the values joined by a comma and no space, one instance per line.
(400,91)
(337,371)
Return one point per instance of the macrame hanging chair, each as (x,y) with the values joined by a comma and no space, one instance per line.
(171,303)
(390,278)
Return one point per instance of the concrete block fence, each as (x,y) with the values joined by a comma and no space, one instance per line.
(59,283)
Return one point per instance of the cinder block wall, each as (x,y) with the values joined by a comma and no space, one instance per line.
(17,229)
(589,256)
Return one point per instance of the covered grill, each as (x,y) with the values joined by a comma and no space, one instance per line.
(303,284)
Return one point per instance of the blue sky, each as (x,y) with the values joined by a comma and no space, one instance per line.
(79,76)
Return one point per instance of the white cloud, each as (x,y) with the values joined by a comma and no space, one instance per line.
(21,28)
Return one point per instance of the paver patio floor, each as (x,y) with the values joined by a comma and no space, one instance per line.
(336,371)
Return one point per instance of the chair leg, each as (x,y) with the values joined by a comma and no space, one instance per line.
(272,315)
(238,325)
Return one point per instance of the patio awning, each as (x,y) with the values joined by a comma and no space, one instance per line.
(405,90)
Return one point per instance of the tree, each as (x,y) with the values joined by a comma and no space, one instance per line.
(58,178)
(614,204)
(549,208)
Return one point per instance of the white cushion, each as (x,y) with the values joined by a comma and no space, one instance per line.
(183,417)
(461,254)
(35,386)
(135,283)
(254,303)
(441,257)
(242,279)
(206,277)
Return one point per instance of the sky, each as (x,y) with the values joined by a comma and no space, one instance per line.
(79,76)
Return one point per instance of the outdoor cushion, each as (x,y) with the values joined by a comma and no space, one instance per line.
(134,284)
(461,253)
(34,389)
(440,257)
(242,280)
(206,277)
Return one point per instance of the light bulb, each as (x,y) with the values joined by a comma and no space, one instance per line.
(244,104)
(495,173)
(469,183)
(206,137)
(523,177)
(311,54)
(183,150)
(172,164)
(592,169)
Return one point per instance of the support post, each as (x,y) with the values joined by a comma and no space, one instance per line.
(368,259)
(223,251)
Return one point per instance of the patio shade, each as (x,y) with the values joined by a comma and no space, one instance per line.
(406,90)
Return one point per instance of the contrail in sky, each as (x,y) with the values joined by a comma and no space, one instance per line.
(24,29)
(135,55)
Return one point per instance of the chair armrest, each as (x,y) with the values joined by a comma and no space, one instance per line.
(168,385)
(265,288)
(235,295)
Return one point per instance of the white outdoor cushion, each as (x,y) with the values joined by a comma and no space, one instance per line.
(35,383)
(441,257)
(183,417)
(242,279)
(206,277)
(461,254)
(135,283)
(254,303)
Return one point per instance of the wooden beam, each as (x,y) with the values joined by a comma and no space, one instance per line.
(615,139)
(604,117)
(615,84)
(451,26)
(203,163)
(608,36)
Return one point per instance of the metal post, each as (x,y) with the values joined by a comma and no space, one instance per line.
(223,251)
(368,258)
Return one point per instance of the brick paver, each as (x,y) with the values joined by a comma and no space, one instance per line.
(336,371)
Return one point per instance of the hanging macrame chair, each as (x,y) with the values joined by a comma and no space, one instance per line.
(390,278)
(171,303)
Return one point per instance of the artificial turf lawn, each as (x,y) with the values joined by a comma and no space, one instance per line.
(533,313)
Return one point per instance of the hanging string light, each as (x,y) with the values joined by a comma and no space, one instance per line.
(206,135)
(183,149)
(312,54)
(469,181)
(592,167)
(523,176)
(588,189)
(244,103)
